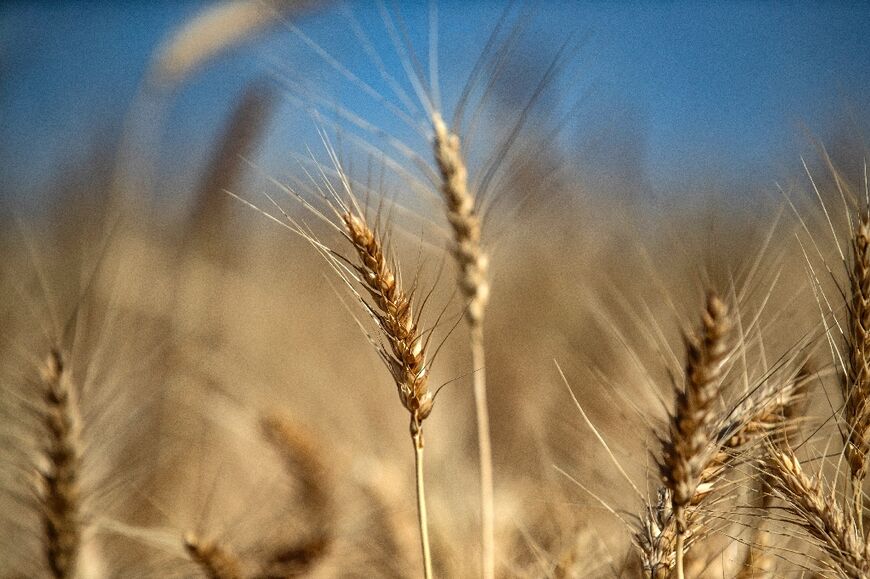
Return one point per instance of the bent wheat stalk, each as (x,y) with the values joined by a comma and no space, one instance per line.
(474,283)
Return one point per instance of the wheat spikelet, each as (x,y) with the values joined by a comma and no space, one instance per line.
(215,560)
(771,413)
(407,359)
(818,513)
(857,412)
(656,537)
(58,482)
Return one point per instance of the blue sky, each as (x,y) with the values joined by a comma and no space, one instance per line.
(726,88)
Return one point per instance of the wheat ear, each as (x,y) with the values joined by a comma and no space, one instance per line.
(58,481)
(656,535)
(474,283)
(406,358)
(687,449)
(818,513)
(215,560)
(768,414)
(857,379)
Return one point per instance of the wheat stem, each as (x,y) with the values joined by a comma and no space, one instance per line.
(406,357)
(679,551)
(417,437)
(487,502)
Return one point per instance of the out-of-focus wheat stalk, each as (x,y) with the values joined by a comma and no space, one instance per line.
(473,265)
(305,462)
(58,489)
(214,31)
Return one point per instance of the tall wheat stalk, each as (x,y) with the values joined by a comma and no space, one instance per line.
(473,265)
(406,358)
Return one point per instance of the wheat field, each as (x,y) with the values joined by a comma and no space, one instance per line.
(432,341)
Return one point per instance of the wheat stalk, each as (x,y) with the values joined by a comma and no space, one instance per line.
(687,450)
(474,284)
(406,359)
(58,481)
(856,386)
(818,513)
